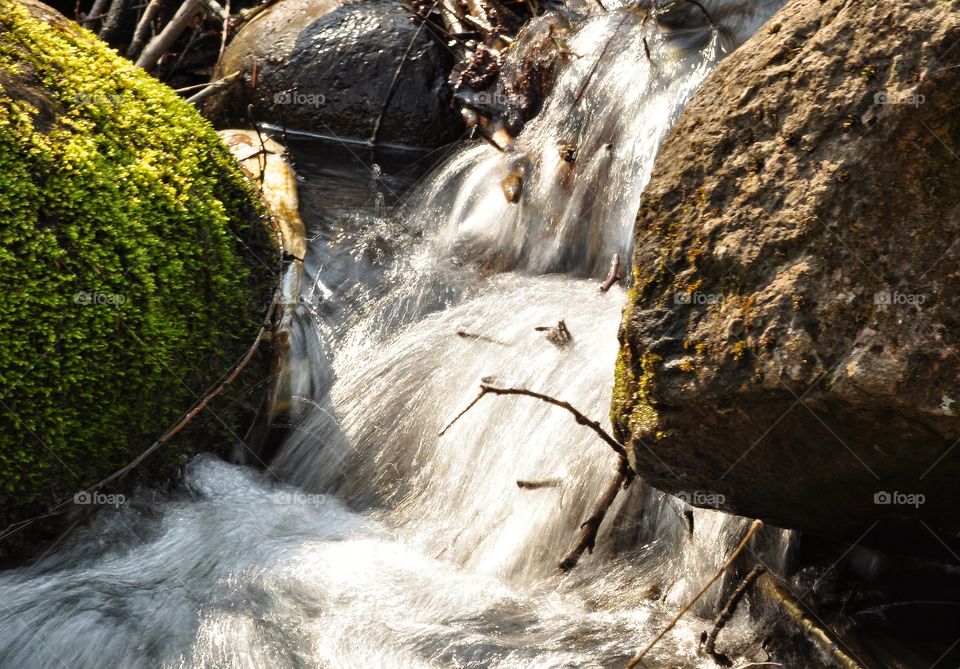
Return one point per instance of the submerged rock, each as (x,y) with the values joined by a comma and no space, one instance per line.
(791,342)
(327,67)
(131,269)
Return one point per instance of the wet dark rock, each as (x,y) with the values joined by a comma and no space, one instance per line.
(792,338)
(511,88)
(326,67)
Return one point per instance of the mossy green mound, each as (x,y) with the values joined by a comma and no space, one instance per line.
(134,265)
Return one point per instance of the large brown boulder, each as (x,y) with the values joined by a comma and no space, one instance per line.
(791,342)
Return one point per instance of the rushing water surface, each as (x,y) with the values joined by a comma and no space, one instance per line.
(370,541)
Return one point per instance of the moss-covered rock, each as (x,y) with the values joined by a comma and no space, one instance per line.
(797,279)
(134,264)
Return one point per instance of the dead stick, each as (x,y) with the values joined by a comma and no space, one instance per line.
(375,134)
(460,415)
(754,528)
(537,485)
(224,32)
(727,613)
(591,526)
(170,34)
(143,27)
(213,87)
(578,416)
(196,409)
(614,275)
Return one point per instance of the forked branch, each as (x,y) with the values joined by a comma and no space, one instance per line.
(581,419)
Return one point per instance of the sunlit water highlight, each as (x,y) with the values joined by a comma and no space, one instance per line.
(386,545)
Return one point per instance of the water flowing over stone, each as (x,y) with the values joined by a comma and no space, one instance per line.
(387,545)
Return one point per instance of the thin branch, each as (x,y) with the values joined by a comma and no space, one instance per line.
(375,134)
(224,32)
(727,613)
(754,528)
(211,88)
(581,419)
(591,526)
(460,415)
(538,485)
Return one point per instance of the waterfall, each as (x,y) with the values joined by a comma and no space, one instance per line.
(373,541)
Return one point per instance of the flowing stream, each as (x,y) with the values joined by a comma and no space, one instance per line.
(370,541)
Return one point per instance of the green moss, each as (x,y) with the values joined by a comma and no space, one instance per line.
(632,409)
(128,238)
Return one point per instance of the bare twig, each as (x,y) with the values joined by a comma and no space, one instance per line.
(591,526)
(224,32)
(460,415)
(209,89)
(581,419)
(375,133)
(754,528)
(538,485)
(170,34)
(801,616)
(471,335)
(727,613)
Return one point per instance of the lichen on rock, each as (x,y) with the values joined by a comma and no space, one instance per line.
(135,263)
(796,273)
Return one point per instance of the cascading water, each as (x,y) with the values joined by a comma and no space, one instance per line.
(391,546)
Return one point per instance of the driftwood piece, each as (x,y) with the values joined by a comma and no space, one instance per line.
(625,474)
